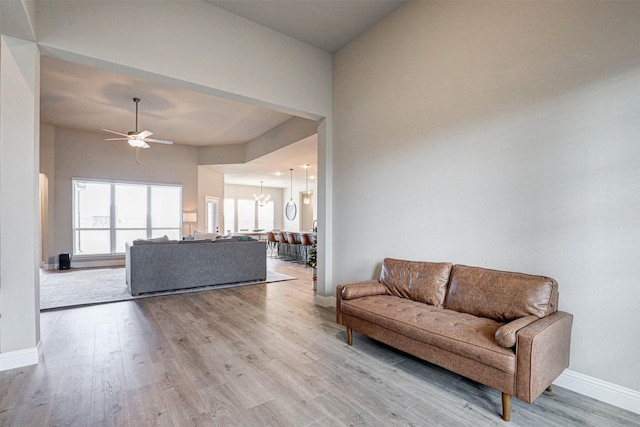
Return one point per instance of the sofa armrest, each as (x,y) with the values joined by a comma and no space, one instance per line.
(542,352)
(357,290)
(506,335)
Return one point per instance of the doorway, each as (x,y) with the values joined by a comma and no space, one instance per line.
(211,205)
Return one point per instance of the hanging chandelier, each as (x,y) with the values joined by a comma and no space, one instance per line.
(261,199)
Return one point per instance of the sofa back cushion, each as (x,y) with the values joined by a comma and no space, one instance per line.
(500,295)
(420,281)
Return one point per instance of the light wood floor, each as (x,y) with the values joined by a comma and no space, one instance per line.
(249,356)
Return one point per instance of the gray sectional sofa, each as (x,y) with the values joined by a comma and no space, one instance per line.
(169,265)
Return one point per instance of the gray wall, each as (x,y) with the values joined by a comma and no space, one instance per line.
(503,135)
(80,154)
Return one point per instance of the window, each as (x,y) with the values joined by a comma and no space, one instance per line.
(246,215)
(250,215)
(265,216)
(230,215)
(109,214)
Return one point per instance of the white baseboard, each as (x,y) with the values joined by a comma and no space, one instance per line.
(18,358)
(98,263)
(324,301)
(117,262)
(603,391)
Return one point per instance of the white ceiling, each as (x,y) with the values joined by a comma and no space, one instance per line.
(273,168)
(81,97)
(325,24)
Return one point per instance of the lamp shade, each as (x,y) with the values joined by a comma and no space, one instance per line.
(189,217)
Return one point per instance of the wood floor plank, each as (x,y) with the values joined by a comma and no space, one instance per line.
(224,407)
(29,415)
(250,356)
(110,408)
(71,409)
(76,376)
(186,407)
(11,384)
(147,407)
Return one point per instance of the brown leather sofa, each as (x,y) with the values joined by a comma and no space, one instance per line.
(498,328)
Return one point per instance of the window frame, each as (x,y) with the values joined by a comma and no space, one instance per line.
(231,203)
(113,228)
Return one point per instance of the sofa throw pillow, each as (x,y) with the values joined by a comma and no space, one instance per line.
(162,239)
(419,281)
(203,236)
(244,238)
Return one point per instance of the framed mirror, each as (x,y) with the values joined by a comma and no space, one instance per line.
(291,210)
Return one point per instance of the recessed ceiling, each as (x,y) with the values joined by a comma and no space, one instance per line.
(81,97)
(325,24)
(273,168)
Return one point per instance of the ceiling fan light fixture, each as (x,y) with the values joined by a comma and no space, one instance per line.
(135,138)
(138,143)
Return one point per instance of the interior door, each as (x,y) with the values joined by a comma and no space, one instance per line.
(211,209)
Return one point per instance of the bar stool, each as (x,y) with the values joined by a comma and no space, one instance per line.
(272,243)
(305,244)
(294,246)
(283,244)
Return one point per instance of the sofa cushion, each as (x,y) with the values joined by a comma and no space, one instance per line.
(419,281)
(162,239)
(158,241)
(197,235)
(190,242)
(500,295)
(460,333)
(226,240)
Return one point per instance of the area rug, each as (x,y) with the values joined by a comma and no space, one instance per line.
(78,287)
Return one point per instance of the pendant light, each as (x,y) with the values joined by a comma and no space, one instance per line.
(291,208)
(307,196)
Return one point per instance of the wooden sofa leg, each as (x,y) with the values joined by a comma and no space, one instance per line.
(349,336)
(506,406)
(549,389)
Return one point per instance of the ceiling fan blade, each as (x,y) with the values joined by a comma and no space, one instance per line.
(117,133)
(116,139)
(146,145)
(144,134)
(159,141)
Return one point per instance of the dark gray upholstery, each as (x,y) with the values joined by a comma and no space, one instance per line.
(167,266)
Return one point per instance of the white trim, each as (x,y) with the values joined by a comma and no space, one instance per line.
(118,262)
(18,358)
(324,301)
(79,263)
(603,391)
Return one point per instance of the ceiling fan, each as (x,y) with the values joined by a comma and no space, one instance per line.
(135,138)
